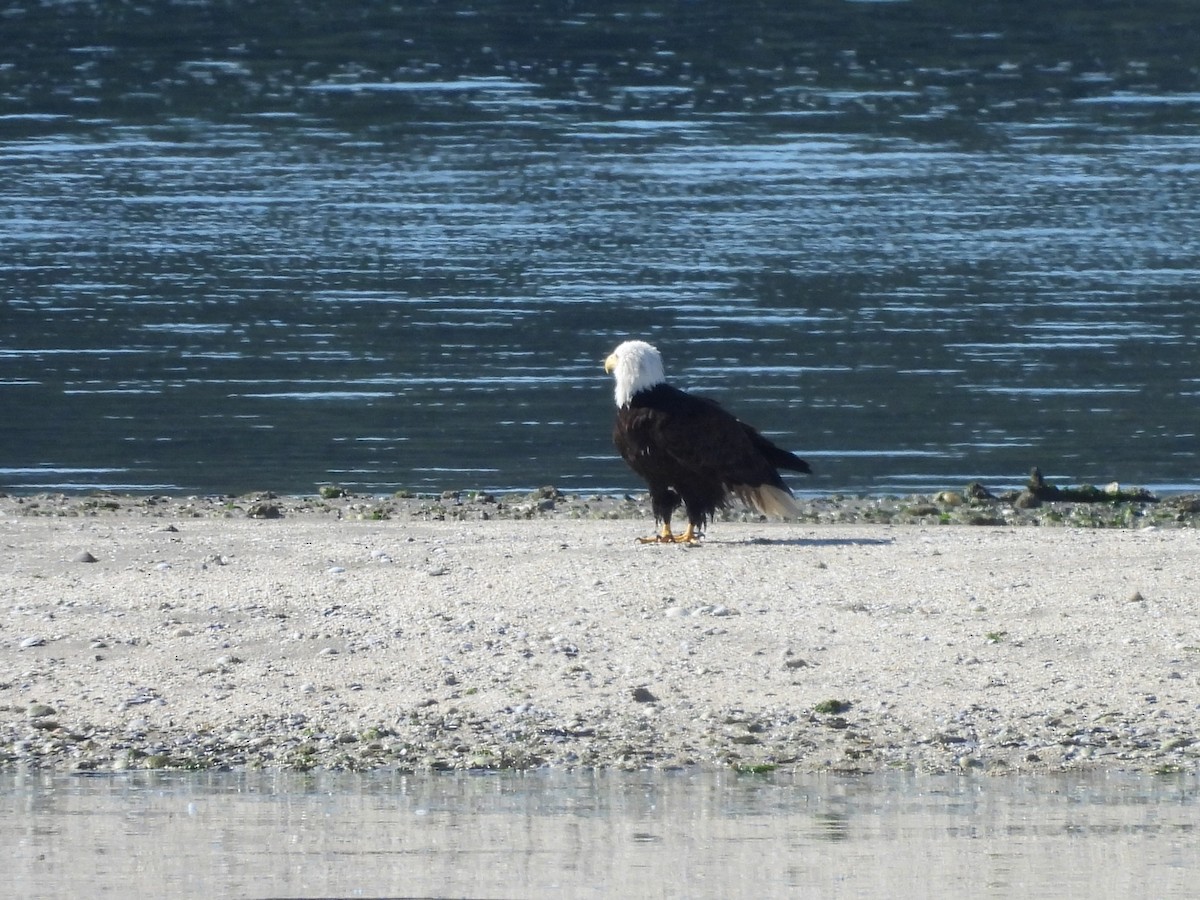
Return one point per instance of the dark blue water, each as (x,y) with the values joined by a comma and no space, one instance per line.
(389,248)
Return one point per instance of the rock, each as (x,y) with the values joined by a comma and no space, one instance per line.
(84,557)
(919,510)
(39,711)
(32,641)
(977,493)
(264,511)
(643,695)
(1027,499)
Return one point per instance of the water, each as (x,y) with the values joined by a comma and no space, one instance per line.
(643,835)
(389,247)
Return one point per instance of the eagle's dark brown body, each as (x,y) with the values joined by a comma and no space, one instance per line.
(692,452)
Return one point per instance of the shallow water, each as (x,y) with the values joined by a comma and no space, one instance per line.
(389,248)
(629,835)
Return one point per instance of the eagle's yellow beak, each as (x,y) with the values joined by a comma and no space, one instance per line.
(610,363)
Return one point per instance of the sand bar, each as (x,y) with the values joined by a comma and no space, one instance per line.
(323,638)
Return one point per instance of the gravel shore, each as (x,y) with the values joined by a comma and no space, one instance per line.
(468,631)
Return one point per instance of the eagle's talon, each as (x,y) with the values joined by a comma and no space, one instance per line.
(690,537)
(663,537)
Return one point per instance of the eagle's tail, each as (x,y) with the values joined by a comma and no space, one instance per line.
(768,500)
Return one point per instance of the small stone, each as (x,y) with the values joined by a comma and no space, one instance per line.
(643,695)
(327,651)
(1136,597)
(84,557)
(40,710)
(32,641)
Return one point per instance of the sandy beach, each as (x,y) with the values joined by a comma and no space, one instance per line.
(185,633)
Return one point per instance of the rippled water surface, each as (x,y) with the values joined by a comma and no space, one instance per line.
(389,246)
(641,835)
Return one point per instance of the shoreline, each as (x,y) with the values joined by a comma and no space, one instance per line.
(1110,507)
(423,634)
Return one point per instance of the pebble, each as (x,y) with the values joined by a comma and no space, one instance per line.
(84,557)
(33,641)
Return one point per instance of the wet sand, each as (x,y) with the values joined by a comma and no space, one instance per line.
(321,637)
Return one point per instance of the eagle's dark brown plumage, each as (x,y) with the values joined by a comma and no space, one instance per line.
(689,450)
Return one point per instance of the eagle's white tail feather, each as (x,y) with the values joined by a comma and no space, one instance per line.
(769,500)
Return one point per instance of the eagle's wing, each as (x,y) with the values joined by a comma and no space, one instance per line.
(705,439)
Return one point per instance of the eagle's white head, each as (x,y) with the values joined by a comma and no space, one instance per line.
(636,366)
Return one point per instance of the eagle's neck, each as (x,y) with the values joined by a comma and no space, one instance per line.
(637,382)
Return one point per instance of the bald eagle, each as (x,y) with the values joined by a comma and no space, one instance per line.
(689,450)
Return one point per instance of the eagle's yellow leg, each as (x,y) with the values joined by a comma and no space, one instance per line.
(689,536)
(663,537)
